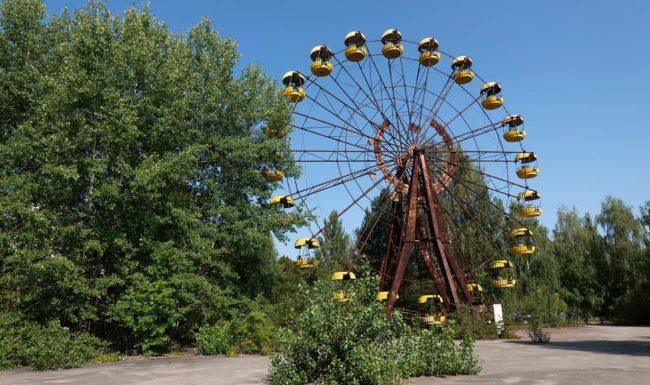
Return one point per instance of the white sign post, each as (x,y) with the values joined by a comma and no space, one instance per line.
(498,317)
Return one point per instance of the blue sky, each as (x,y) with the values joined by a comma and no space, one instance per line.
(576,70)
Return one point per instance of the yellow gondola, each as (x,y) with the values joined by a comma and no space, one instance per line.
(528,172)
(321,64)
(492,100)
(503,283)
(501,264)
(304,264)
(520,232)
(275,176)
(428,54)
(285,201)
(528,210)
(293,82)
(513,134)
(474,287)
(523,249)
(310,243)
(501,274)
(355,51)
(529,195)
(525,157)
(306,244)
(432,319)
(383,295)
(392,41)
(462,73)
(343,276)
(341,296)
(433,298)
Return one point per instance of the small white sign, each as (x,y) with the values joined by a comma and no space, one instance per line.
(498,317)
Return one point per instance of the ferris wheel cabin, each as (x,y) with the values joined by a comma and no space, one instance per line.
(462,73)
(528,169)
(285,201)
(429,56)
(355,50)
(392,41)
(528,209)
(513,134)
(502,274)
(523,241)
(293,82)
(492,100)
(321,64)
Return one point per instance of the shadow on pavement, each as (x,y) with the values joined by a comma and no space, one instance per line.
(630,348)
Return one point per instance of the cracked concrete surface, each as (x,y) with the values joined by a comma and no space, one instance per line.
(593,355)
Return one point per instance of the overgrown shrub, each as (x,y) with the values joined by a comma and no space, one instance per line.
(215,339)
(352,343)
(470,323)
(43,347)
(251,332)
(535,331)
(255,333)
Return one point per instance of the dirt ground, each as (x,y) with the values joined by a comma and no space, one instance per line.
(594,355)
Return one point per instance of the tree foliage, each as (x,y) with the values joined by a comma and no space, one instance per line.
(130,188)
(335,245)
(353,343)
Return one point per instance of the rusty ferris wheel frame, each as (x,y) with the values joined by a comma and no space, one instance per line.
(389,121)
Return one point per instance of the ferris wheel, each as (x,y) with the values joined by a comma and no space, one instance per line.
(406,116)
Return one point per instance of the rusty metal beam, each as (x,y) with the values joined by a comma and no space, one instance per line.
(446,256)
(394,233)
(433,272)
(437,230)
(406,243)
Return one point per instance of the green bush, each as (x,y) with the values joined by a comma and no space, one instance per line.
(255,333)
(251,332)
(44,347)
(215,339)
(470,323)
(352,343)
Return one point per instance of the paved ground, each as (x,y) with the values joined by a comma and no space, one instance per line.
(594,355)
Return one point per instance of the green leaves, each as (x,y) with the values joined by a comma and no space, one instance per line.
(353,343)
(130,161)
(43,347)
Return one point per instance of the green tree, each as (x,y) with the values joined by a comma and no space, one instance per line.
(372,234)
(577,247)
(623,264)
(335,245)
(130,156)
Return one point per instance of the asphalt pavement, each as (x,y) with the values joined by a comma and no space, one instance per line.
(594,355)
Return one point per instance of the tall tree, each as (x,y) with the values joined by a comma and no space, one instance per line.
(335,244)
(623,240)
(577,248)
(130,156)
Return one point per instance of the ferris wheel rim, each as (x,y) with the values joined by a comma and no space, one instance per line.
(403,58)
